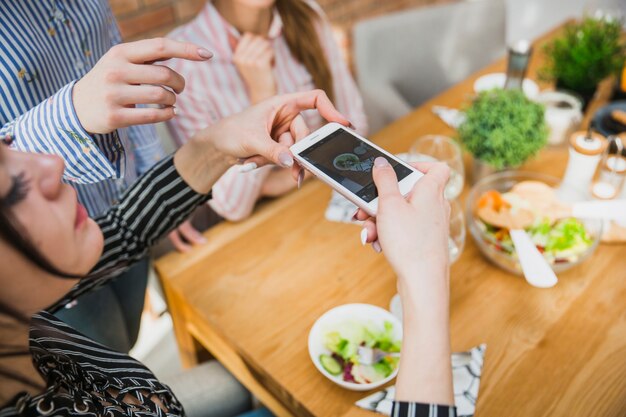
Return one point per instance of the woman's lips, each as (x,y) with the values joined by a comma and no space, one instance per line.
(81,215)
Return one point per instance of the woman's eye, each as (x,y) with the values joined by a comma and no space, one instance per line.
(17,192)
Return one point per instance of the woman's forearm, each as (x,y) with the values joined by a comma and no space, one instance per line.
(425,370)
(200,163)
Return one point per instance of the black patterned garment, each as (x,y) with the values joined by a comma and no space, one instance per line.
(85,378)
(401,409)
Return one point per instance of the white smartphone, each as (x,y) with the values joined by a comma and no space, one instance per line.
(344,160)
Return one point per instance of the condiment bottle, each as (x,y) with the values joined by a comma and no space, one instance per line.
(585,151)
(519,56)
(611,172)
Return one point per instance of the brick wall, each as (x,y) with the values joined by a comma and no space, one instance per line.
(146,18)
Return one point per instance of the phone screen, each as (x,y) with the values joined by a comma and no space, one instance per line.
(349,161)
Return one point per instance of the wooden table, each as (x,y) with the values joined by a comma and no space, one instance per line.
(250,296)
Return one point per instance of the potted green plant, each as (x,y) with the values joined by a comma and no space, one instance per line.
(584,55)
(502,129)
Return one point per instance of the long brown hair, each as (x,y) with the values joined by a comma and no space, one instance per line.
(304,42)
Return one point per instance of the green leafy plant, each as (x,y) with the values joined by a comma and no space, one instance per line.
(503,128)
(585,54)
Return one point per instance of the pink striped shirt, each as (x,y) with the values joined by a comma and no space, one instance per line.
(214,90)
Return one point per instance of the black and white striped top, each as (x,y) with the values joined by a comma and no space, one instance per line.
(85,378)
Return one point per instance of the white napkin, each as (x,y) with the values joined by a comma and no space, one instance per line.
(340,209)
(466,372)
(452,117)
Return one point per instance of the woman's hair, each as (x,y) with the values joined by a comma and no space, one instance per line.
(11,231)
(299,27)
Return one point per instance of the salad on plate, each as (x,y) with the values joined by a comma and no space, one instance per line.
(345,343)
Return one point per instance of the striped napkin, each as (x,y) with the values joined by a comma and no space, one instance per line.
(466,371)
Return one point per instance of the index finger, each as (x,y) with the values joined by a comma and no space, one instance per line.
(437,171)
(161,49)
(436,174)
(422,167)
(316,99)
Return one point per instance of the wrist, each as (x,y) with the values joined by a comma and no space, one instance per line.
(77,105)
(258,96)
(425,295)
(421,273)
(201,163)
(260,91)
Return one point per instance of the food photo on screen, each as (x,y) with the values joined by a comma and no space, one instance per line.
(349,161)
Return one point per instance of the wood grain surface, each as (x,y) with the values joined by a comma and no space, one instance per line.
(253,292)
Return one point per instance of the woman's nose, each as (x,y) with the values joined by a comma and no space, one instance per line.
(51,173)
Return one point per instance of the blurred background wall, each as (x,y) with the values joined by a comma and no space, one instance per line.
(526,18)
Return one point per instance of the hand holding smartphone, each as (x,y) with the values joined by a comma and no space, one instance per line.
(344,160)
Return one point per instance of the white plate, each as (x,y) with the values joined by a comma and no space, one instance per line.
(497,80)
(361,313)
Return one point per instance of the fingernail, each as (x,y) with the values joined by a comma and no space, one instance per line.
(376,246)
(285,159)
(351,126)
(363,236)
(300,177)
(205,53)
(354,218)
(248,167)
(381,162)
(175,110)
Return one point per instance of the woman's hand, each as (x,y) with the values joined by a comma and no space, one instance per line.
(263,133)
(413,232)
(254,58)
(401,222)
(281,181)
(126,75)
(259,135)
(185,237)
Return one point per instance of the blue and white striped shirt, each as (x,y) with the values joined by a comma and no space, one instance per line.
(45,46)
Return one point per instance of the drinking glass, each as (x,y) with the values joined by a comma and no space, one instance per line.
(456,239)
(443,149)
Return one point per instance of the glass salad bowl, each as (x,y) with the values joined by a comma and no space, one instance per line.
(564,242)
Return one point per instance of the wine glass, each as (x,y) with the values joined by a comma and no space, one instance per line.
(456,243)
(456,239)
(443,149)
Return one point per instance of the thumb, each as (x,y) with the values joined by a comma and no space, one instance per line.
(385,179)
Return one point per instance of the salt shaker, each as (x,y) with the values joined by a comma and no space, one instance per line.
(611,172)
(585,151)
